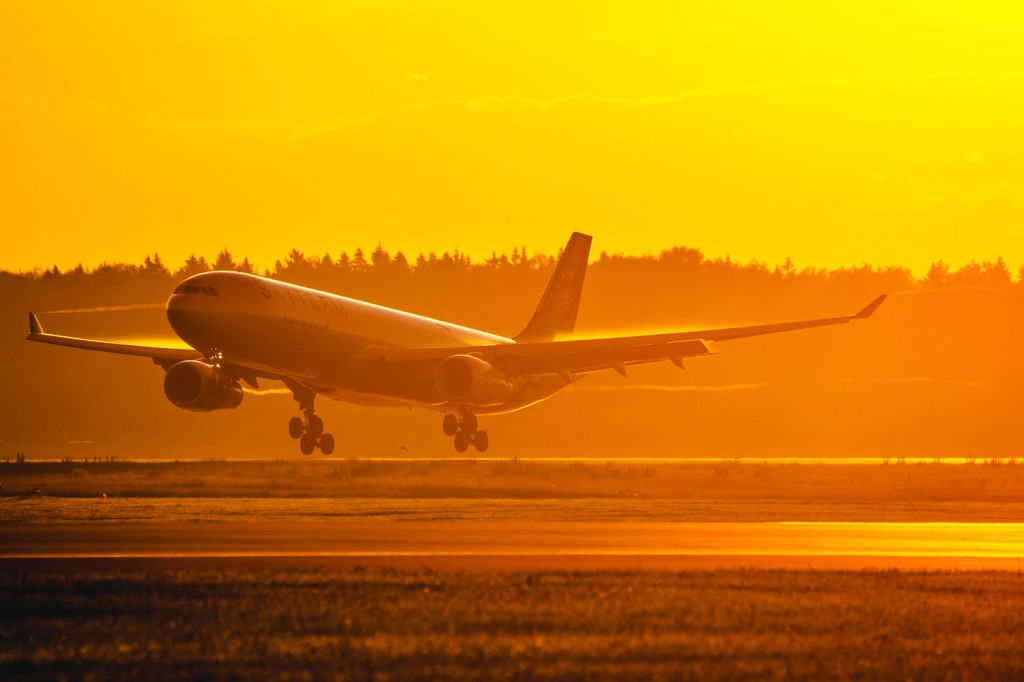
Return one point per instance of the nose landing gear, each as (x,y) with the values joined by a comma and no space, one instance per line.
(463,427)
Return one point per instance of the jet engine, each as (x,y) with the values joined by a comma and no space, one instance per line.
(197,386)
(468,380)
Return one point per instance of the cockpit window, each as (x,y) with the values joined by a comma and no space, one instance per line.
(193,289)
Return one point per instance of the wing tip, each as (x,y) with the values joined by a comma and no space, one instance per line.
(865,313)
(34,327)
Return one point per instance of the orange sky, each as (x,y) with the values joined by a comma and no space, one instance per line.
(885,132)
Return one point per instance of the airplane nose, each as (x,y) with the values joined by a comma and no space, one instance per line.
(181,314)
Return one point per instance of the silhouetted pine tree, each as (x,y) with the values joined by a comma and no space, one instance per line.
(359,264)
(937,276)
(224,261)
(192,266)
(344,264)
(996,274)
(380,259)
(400,265)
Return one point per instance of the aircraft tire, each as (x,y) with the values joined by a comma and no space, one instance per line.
(295,427)
(307,444)
(327,443)
(450,424)
(469,423)
(481,441)
(461,441)
(315,427)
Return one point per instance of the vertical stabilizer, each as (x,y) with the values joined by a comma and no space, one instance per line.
(556,314)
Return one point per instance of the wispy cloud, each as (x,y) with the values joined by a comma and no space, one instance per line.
(14,101)
(916,380)
(960,287)
(725,388)
(491,101)
(667,389)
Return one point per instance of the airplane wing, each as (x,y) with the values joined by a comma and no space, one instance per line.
(165,357)
(575,356)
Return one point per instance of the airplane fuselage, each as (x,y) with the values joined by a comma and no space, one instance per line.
(321,338)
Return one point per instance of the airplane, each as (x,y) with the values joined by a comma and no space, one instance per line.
(242,328)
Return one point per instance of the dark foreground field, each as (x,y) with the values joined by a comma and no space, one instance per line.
(401,625)
(494,570)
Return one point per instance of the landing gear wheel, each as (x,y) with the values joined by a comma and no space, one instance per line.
(327,443)
(307,444)
(480,441)
(315,427)
(451,424)
(461,441)
(469,423)
(295,427)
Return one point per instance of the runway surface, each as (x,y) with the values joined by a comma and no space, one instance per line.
(511,545)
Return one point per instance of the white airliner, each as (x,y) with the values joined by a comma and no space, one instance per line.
(244,328)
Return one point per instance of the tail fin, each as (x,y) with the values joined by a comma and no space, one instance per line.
(556,313)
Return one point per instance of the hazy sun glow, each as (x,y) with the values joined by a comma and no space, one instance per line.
(877,132)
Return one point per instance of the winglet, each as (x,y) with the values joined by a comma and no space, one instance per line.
(866,312)
(33,324)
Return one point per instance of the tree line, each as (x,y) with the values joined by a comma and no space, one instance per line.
(381,268)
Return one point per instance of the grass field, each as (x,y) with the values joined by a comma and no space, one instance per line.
(732,480)
(481,490)
(70,510)
(401,625)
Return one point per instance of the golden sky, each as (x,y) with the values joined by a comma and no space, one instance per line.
(882,132)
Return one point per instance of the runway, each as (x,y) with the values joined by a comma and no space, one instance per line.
(511,545)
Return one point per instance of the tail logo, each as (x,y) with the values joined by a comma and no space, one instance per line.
(567,296)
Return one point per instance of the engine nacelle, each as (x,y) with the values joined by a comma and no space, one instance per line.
(468,380)
(194,385)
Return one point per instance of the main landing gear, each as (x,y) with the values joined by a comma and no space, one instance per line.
(309,429)
(464,427)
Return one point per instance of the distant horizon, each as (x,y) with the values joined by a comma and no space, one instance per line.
(260,268)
